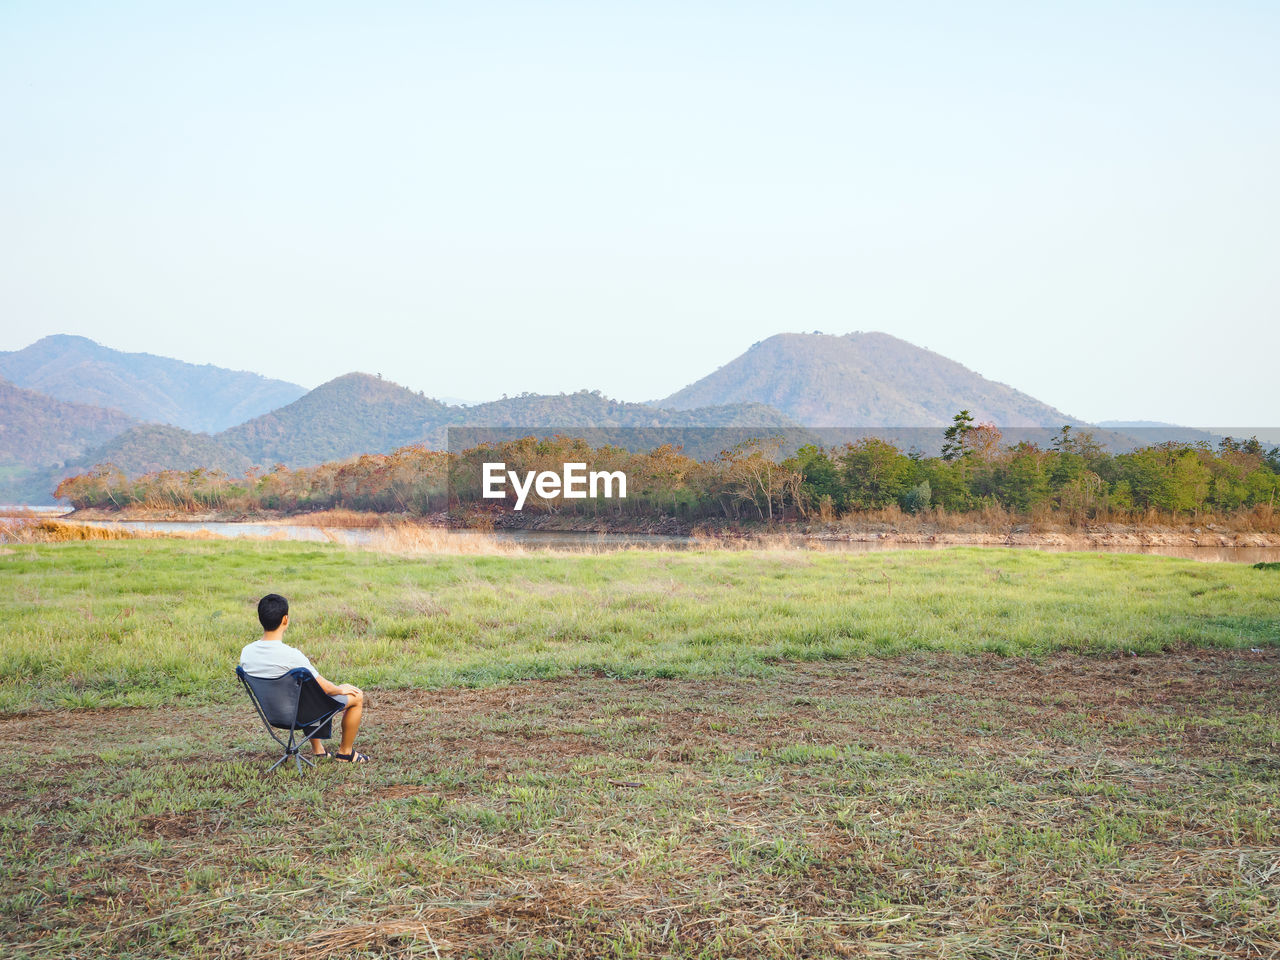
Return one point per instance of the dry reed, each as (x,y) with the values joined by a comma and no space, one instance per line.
(60,531)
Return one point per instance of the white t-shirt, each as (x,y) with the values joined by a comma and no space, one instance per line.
(272,658)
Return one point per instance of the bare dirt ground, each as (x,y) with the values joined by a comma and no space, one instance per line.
(919,806)
(1052,685)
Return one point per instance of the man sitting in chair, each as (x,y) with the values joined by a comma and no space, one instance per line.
(271,657)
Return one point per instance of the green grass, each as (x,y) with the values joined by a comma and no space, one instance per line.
(144,622)
(722,754)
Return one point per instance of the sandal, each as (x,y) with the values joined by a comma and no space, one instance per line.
(355,756)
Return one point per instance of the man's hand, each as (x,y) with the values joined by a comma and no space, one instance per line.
(338,689)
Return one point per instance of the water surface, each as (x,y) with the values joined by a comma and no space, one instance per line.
(572,541)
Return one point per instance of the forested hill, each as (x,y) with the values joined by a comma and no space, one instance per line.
(789,383)
(350,415)
(147,387)
(634,426)
(39,435)
(149,447)
(358,413)
(36,431)
(862,379)
(593,409)
(43,440)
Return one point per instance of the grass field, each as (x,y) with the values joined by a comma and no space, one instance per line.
(139,623)
(774,754)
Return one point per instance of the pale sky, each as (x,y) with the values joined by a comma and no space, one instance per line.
(1080,200)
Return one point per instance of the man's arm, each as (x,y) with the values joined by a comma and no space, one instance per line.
(338,689)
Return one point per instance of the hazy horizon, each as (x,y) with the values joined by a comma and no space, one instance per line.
(482,200)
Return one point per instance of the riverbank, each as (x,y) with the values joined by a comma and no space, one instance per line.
(986,529)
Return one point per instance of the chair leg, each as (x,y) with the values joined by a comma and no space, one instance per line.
(278,762)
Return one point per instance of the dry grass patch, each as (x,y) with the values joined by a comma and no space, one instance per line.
(926,805)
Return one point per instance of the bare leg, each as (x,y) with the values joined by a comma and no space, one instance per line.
(351,722)
(317,747)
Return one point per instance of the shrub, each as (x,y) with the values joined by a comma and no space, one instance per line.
(918,498)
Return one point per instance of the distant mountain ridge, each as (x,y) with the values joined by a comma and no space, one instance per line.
(39,436)
(146,387)
(862,380)
(702,432)
(357,413)
(38,431)
(1155,431)
(149,447)
(792,383)
(352,414)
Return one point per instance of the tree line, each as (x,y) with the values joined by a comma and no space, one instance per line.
(1073,476)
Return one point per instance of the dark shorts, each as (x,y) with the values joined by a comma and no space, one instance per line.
(325,730)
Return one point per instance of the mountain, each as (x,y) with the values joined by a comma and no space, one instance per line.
(39,431)
(43,440)
(702,432)
(1140,425)
(149,447)
(1154,431)
(40,435)
(353,414)
(862,379)
(588,409)
(147,387)
(357,413)
(810,387)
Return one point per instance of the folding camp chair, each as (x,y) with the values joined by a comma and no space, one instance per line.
(283,703)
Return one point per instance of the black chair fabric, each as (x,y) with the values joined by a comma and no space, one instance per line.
(292,702)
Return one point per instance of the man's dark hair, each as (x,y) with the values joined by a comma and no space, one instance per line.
(271,610)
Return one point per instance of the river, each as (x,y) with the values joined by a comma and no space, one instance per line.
(595,542)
